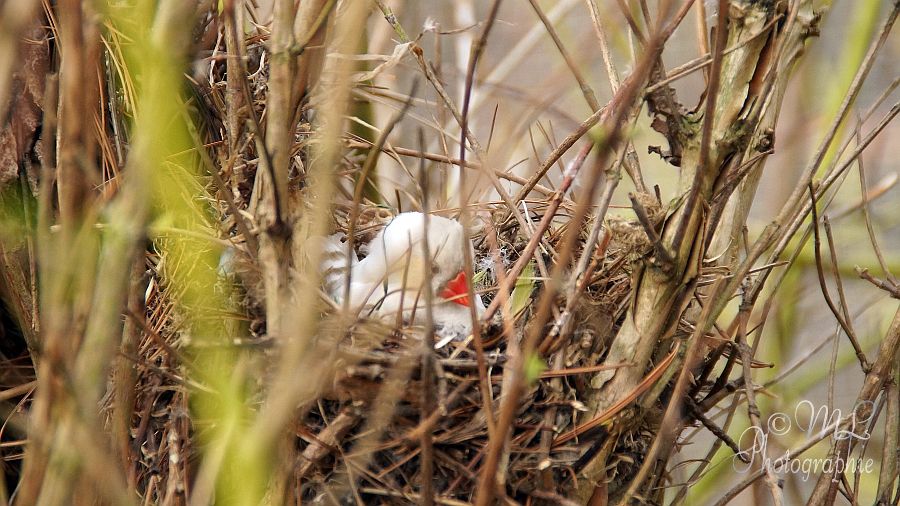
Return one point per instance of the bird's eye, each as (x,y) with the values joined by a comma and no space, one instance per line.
(435,269)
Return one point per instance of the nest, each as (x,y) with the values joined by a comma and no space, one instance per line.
(379,367)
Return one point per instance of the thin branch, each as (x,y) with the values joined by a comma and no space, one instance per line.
(665,257)
(364,144)
(589,96)
(868,219)
(821,274)
(485,492)
(367,167)
(632,164)
(635,29)
(888,287)
(428,356)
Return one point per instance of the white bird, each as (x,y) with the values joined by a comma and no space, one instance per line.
(391,278)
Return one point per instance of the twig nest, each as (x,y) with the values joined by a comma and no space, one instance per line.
(629,234)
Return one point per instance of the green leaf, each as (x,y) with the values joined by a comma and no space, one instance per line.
(521,295)
(534,367)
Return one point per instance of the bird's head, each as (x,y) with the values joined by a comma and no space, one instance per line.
(401,243)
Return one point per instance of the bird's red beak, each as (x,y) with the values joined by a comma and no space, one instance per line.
(456,290)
